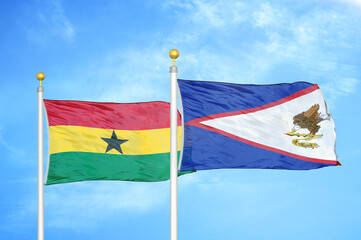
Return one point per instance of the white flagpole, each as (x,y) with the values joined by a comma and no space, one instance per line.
(40,76)
(173,148)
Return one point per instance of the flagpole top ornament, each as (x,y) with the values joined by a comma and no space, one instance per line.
(40,76)
(173,54)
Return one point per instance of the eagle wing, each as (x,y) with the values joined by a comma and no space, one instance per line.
(309,119)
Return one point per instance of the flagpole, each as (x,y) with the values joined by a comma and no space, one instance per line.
(40,76)
(173,148)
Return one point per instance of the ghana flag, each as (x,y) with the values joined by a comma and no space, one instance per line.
(108,141)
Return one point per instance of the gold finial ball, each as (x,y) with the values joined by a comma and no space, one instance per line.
(40,76)
(173,53)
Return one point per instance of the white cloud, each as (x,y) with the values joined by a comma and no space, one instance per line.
(339,87)
(214,186)
(53,22)
(211,13)
(302,40)
(352,2)
(123,75)
(135,75)
(13,151)
(83,206)
(267,16)
(348,85)
(86,204)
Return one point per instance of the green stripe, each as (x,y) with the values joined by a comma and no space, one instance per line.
(81,166)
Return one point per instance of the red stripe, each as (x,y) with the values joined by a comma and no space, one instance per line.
(121,116)
(196,123)
(308,159)
(250,110)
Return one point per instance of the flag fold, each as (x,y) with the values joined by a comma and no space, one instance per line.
(108,141)
(280,126)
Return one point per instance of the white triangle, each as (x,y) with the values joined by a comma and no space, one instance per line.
(268,127)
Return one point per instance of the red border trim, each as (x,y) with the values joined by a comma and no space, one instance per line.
(197,123)
(250,110)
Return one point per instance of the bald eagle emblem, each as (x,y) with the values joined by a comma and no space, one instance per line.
(307,120)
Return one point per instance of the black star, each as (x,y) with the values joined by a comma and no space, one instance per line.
(114,142)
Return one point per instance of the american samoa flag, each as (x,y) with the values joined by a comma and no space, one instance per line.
(279,126)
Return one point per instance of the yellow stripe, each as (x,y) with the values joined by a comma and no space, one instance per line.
(84,139)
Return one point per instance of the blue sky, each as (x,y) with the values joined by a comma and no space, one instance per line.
(118,51)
